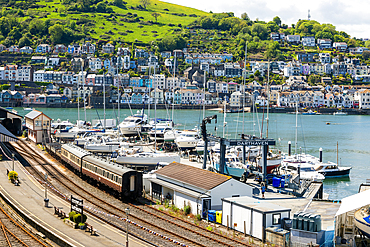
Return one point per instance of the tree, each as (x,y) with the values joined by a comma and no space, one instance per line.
(156,15)
(118,3)
(144,3)
(314,80)
(273,27)
(259,30)
(366,55)
(277,20)
(101,7)
(56,32)
(245,17)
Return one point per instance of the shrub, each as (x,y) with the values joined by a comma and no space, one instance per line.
(71,215)
(199,217)
(187,210)
(13,175)
(78,218)
(174,208)
(210,228)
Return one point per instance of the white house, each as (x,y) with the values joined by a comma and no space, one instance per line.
(296,39)
(24,73)
(38,75)
(364,99)
(308,41)
(108,48)
(26,49)
(200,189)
(340,46)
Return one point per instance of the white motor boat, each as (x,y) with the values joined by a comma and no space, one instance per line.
(132,124)
(307,172)
(328,169)
(147,158)
(159,130)
(187,139)
(104,145)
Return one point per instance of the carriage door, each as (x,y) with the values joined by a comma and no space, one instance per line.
(206,207)
(132,183)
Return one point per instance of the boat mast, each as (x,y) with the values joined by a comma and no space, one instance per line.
(173,88)
(78,98)
(223,131)
(155,112)
(337,155)
(83,88)
(149,94)
(119,100)
(296,123)
(244,74)
(119,93)
(204,95)
(105,121)
(268,99)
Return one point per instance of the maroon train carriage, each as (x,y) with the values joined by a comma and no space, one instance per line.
(122,181)
(73,155)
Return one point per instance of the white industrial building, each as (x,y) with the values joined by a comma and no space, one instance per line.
(251,215)
(201,189)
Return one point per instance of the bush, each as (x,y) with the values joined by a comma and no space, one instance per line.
(71,215)
(199,217)
(13,175)
(174,208)
(78,218)
(187,210)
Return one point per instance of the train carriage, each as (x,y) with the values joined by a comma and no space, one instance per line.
(124,181)
(73,155)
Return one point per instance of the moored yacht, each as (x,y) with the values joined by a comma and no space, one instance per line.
(132,124)
(187,139)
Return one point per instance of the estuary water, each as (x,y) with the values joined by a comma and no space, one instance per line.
(352,132)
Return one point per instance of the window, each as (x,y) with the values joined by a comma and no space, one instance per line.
(37,123)
(132,183)
(276,219)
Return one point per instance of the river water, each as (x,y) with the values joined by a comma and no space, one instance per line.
(350,131)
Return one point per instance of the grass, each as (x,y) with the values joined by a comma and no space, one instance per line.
(140,32)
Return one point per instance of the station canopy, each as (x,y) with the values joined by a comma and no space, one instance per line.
(6,135)
(354,202)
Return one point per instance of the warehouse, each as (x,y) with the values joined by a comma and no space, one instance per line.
(251,215)
(200,189)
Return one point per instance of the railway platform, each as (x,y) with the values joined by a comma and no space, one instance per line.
(28,198)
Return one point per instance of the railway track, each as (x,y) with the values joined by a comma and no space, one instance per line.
(145,217)
(12,234)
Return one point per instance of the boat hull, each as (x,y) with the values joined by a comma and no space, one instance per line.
(362,225)
(231,171)
(147,161)
(336,173)
(102,148)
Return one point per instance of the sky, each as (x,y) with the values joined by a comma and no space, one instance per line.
(349,16)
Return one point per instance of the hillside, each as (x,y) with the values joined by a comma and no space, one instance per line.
(113,20)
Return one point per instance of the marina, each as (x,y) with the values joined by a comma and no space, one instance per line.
(284,181)
(313,133)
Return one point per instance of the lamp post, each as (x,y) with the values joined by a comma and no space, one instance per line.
(13,161)
(127,210)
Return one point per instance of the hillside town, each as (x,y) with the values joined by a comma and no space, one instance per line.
(185,77)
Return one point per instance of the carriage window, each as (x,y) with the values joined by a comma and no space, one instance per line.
(107,175)
(103,173)
(132,183)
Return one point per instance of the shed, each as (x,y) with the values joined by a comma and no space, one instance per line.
(255,214)
(201,189)
(39,126)
(11,121)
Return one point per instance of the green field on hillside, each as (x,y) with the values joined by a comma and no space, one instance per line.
(114,26)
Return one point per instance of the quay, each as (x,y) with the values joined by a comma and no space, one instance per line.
(27,199)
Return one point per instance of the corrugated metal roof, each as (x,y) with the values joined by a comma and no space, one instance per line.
(33,114)
(194,176)
(6,135)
